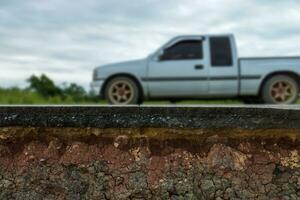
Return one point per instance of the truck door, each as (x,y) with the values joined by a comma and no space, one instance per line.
(223,70)
(180,70)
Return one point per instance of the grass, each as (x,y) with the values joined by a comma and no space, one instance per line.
(18,96)
(15,96)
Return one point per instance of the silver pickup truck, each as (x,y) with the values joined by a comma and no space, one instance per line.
(199,67)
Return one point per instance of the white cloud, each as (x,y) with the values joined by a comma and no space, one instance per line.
(66,39)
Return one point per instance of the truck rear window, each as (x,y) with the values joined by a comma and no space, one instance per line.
(220,50)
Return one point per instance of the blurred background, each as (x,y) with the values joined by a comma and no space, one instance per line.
(49,48)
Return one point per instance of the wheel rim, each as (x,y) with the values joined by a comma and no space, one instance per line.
(121,92)
(283,92)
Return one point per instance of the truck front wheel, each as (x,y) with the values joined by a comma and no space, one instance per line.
(122,91)
(280,89)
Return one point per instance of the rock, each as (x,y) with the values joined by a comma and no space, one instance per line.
(208,186)
(224,157)
(121,141)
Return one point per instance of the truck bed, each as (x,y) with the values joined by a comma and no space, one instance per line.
(254,70)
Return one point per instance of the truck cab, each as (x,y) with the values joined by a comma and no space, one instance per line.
(205,66)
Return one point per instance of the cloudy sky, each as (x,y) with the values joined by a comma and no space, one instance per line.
(66,39)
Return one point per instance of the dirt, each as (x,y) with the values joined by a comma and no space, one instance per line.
(69,163)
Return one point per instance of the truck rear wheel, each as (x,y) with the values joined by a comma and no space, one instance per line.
(122,91)
(280,89)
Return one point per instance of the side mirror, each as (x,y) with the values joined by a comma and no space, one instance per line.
(157,56)
(160,54)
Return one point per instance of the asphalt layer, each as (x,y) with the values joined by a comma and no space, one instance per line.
(206,117)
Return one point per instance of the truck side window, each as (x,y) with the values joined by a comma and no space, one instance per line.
(220,50)
(184,50)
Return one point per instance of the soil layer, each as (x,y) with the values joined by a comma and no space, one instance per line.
(149,163)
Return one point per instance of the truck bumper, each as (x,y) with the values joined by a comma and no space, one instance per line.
(96,87)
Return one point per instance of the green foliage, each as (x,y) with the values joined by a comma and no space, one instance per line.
(74,91)
(26,96)
(42,90)
(46,88)
(18,96)
(43,86)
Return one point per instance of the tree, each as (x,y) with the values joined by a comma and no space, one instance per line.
(77,92)
(44,86)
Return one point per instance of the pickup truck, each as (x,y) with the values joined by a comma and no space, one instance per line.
(199,67)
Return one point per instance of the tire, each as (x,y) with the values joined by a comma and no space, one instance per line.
(280,89)
(122,91)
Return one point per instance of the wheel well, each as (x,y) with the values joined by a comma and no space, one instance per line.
(293,75)
(141,92)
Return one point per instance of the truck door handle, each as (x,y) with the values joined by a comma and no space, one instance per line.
(199,66)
